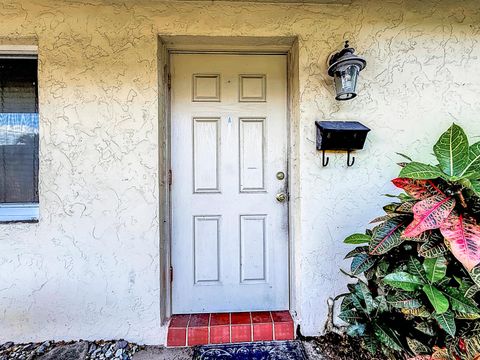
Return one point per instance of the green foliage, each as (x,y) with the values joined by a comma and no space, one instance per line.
(403,280)
(357,239)
(420,289)
(415,170)
(435,268)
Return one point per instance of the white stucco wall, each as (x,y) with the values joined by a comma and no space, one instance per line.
(90,268)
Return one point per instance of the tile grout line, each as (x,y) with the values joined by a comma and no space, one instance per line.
(186,329)
(273,325)
(251,326)
(208,328)
(230,325)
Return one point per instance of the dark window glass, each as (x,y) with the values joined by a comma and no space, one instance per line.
(18,131)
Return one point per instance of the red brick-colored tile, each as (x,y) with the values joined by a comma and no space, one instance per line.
(201,329)
(281,316)
(261,317)
(241,333)
(284,331)
(219,319)
(179,321)
(177,337)
(199,320)
(197,336)
(262,332)
(241,318)
(220,334)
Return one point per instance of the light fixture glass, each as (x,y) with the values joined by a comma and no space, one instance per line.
(344,67)
(345,78)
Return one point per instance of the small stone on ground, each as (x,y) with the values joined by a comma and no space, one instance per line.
(312,351)
(73,350)
(161,353)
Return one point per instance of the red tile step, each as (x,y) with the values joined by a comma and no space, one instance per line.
(203,329)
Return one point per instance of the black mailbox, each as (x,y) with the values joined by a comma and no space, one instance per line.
(340,135)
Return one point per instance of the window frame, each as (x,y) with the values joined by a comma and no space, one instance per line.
(20,212)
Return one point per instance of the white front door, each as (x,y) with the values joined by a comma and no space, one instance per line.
(229,151)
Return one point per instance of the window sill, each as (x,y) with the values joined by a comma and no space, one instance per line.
(19,213)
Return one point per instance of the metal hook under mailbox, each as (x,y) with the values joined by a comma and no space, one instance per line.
(326,159)
(325,162)
(348,159)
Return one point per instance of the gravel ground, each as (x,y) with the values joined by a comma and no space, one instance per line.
(50,350)
(330,346)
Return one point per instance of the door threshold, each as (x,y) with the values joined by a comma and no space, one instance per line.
(229,328)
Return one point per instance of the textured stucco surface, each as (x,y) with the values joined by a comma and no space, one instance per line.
(91,268)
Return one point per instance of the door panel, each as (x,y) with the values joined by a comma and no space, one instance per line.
(229,140)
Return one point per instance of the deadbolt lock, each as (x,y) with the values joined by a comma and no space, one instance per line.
(281,197)
(280,175)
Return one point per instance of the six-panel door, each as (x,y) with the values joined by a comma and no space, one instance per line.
(229,142)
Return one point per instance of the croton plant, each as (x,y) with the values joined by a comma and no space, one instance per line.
(417,290)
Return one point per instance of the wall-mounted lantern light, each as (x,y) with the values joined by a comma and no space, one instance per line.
(344,67)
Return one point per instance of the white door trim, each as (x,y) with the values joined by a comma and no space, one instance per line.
(251,45)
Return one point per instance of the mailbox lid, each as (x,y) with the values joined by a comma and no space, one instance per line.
(341,135)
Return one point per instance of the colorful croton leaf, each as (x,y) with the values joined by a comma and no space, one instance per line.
(435,268)
(472,170)
(446,321)
(475,275)
(475,185)
(452,151)
(417,189)
(429,214)
(463,235)
(416,170)
(432,248)
(403,280)
(437,299)
(387,235)
(423,273)
(357,239)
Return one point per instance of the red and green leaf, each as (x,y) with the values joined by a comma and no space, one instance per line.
(417,189)
(464,238)
(387,235)
(429,214)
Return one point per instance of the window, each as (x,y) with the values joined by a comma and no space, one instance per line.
(18,138)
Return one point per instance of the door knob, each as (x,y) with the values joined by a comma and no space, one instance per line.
(281,197)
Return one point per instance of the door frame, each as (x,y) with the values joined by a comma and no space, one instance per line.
(167,45)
